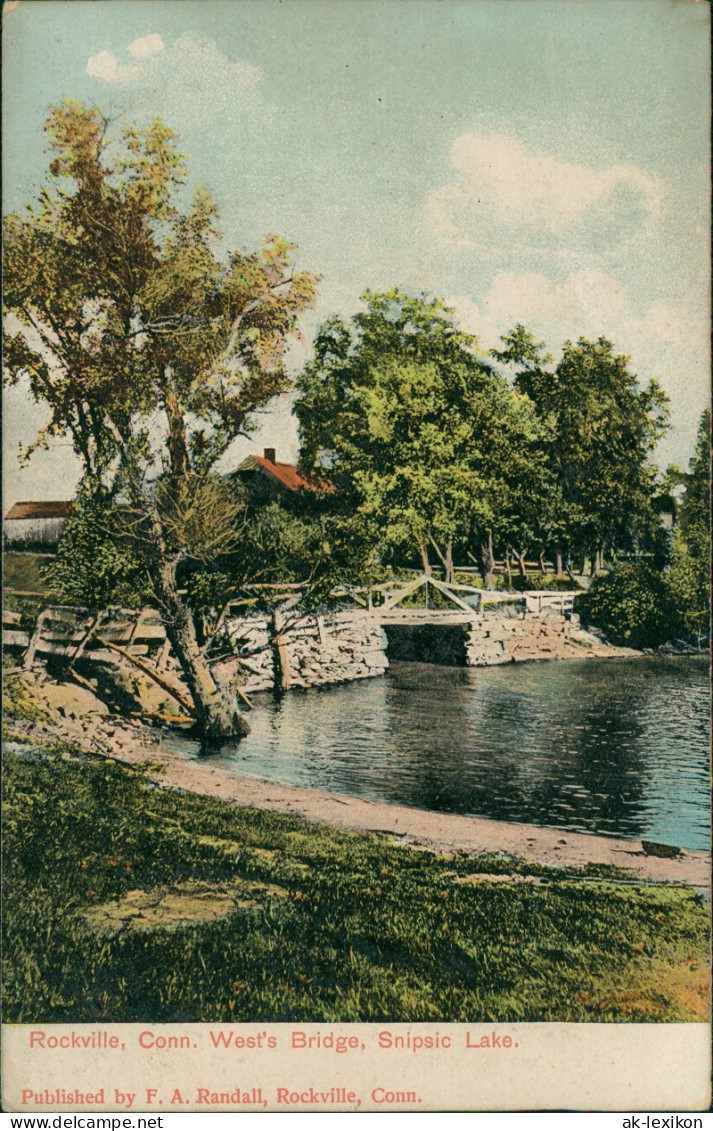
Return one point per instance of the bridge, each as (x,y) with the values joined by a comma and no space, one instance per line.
(423,619)
(466,602)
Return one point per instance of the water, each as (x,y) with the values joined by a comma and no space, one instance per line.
(618,747)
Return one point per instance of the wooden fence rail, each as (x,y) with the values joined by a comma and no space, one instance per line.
(14,639)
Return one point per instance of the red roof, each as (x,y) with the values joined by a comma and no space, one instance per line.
(287,475)
(41,510)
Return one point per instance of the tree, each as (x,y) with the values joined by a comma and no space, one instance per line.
(696,508)
(411,424)
(600,428)
(689,575)
(150,347)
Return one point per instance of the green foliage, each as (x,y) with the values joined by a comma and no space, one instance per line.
(201,516)
(151,345)
(333,926)
(537,580)
(19,700)
(277,546)
(633,606)
(419,434)
(600,429)
(127,305)
(689,576)
(689,584)
(696,509)
(27,607)
(97,562)
(25,571)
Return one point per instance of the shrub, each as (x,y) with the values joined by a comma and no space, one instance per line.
(96,563)
(633,606)
(537,580)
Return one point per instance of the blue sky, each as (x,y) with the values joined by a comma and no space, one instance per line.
(543,161)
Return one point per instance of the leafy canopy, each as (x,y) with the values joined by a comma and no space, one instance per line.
(633,606)
(150,345)
(689,576)
(411,423)
(600,429)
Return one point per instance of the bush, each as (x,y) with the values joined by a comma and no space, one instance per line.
(96,563)
(632,606)
(537,580)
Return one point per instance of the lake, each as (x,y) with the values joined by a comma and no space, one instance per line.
(617,746)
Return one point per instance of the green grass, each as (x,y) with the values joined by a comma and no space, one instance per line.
(324,926)
(23,571)
(19,698)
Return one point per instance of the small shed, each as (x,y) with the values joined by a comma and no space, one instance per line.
(36,525)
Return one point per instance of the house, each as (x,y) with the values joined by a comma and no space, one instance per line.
(268,480)
(36,525)
(667,506)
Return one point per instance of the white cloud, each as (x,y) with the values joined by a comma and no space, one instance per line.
(193,69)
(146,45)
(589,304)
(206,69)
(502,191)
(106,66)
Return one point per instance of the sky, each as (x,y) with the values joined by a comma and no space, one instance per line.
(534,161)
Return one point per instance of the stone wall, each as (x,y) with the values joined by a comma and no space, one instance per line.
(305,651)
(507,633)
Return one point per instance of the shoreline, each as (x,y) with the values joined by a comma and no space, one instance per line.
(85,723)
(440,832)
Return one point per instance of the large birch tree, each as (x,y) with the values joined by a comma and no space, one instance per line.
(150,346)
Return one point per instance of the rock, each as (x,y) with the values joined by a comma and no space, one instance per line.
(667,851)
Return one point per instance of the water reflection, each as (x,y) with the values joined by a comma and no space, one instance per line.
(614,746)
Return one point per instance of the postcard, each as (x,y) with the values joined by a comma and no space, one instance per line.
(356,610)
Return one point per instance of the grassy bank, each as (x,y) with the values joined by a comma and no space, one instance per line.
(25,590)
(23,571)
(128,902)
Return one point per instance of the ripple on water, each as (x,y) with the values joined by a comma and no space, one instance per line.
(615,746)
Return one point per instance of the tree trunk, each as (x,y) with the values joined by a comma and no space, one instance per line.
(543,568)
(450,572)
(558,563)
(508,567)
(520,561)
(280,658)
(597,563)
(424,559)
(216,716)
(177,436)
(215,711)
(445,559)
(487,560)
